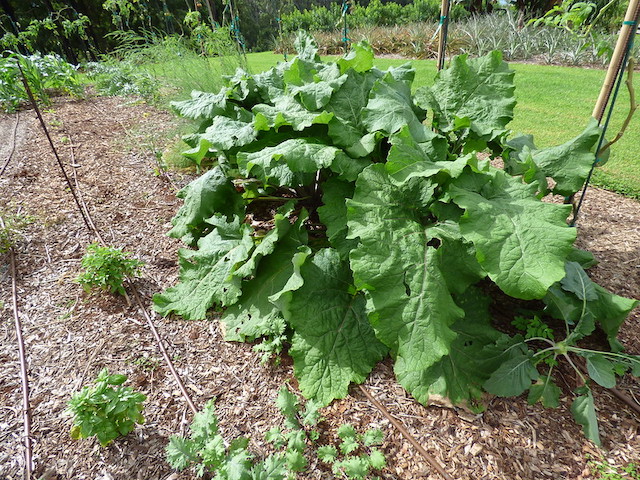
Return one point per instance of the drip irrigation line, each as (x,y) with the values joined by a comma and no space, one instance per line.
(405,433)
(13,144)
(163,350)
(26,410)
(53,147)
(142,308)
(82,207)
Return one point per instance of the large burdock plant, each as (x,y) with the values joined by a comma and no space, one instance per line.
(358,219)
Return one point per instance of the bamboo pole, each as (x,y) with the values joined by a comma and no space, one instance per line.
(628,29)
(442,37)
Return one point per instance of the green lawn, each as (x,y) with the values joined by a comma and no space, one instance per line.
(554,105)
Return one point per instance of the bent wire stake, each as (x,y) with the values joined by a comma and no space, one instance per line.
(53,147)
(26,410)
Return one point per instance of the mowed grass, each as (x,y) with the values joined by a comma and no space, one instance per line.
(554,105)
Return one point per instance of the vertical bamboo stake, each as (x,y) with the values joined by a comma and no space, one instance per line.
(628,29)
(443,26)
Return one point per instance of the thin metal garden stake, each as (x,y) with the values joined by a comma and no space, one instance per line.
(26,410)
(443,27)
(617,67)
(53,147)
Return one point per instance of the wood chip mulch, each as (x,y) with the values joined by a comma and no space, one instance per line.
(70,335)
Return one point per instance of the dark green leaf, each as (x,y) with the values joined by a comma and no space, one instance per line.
(584,412)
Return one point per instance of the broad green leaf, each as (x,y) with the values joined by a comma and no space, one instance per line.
(205,423)
(578,282)
(545,391)
(281,226)
(346,128)
(410,306)
(236,465)
(254,314)
(377,460)
(480,89)
(601,370)
(584,413)
(409,158)
(231,131)
(297,440)
(333,344)
(333,214)
(211,193)
(373,436)
(206,274)
(606,309)
(520,241)
(242,86)
(199,152)
(270,84)
(458,262)
(287,111)
(346,431)
(355,467)
(477,351)
(202,106)
(513,377)
(360,58)
(583,257)
(569,164)
(306,47)
(296,461)
(391,107)
(327,453)
(288,405)
(292,163)
(317,92)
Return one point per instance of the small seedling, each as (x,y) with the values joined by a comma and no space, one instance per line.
(206,451)
(106,410)
(106,267)
(603,470)
(10,228)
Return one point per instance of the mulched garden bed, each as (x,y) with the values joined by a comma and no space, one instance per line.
(70,336)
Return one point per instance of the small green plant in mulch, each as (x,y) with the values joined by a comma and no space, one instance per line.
(106,410)
(10,229)
(106,267)
(603,470)
(296,444)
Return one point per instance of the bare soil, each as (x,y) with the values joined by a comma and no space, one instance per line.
(109,145)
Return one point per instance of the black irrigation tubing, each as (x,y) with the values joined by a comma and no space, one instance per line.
(53,148)
(13,144)
(92,228)
(142,308)
(405,433)
(26,410)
